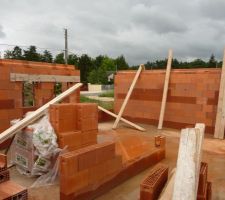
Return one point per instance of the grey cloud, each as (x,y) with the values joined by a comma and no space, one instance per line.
(213,9)
(2,34)
(140,29)
(154,18)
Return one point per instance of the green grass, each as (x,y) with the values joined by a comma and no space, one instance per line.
(106,105)
(107,94)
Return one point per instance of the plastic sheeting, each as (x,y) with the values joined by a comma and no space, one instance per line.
(44,158)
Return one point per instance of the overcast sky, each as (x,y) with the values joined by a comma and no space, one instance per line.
(141,30)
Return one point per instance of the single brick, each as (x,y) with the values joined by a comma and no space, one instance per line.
(154,183)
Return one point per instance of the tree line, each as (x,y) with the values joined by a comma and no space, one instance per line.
(96,70)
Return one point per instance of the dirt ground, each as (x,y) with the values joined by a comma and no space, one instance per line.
(213,154)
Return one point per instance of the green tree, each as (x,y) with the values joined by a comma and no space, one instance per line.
(31,54)
(85,65)
(46,56)
(121,63)
(98,76)
(108,64)
(97,62)
(59,58)
(73,59)
(16,53)
(197,63)
(212,61)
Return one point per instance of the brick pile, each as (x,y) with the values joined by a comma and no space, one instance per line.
(11,93)
(86,168)
(9,189)
(192,97)
(76,125)
(204,187)
(153,184)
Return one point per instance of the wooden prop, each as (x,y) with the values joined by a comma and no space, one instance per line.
(141,67)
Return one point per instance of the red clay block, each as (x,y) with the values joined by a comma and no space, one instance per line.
(10,190)
(87,124)
(113,165)
(105,151)
(87,110)
(202,184)
(209,190)
(87,158)
(68,166)
(72,140)
(74,183)
(63,117)
(160,141)
(89,137)
(152,185)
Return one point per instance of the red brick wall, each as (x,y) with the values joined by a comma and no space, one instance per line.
(192,97)
(11,95)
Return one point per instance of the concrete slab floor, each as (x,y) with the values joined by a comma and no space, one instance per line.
(213,154)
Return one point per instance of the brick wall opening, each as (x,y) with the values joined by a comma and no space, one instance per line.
(28,94)
(57,89)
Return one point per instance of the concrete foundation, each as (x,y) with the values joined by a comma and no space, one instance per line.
(213,154)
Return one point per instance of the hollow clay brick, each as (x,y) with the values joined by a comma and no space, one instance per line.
(202,185)
(87,110)
(74,182)
(10,190)
(209,190)
(72,140)
(7,104)
(89,137)
(105,151)
(152,185)
(68,166)
(160,141)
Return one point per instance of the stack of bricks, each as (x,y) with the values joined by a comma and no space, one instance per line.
(87,168)
(9,189)
(204,187)
(11,93)
(76,125)
(192,97)
(153,184)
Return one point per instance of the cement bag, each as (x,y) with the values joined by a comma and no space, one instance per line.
(46,147)
(44,137)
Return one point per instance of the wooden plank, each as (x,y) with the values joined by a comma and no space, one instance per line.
(141,67)
(165,90)
(189,158)
(220,116)
(167,192)
(43,78)
(35,115)
(122,119)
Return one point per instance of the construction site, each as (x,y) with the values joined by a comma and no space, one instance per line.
(163,139)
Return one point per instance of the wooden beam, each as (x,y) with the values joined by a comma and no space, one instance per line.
(35,115)
(141,67)
(122,119)
(165,90)
(43,78)
(188,162)
(220,116)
